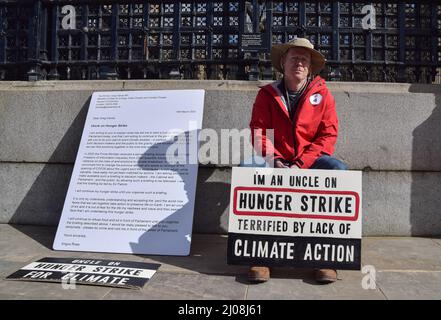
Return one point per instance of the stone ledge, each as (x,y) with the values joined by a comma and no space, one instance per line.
(157,84)
(394,203)
(390,132)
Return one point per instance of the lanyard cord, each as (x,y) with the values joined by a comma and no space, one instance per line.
(302,89)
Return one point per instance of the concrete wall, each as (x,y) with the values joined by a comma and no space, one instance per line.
(390,131)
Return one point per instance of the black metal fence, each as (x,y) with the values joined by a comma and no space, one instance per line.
(391,41)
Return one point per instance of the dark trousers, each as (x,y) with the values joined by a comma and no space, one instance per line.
(324,162)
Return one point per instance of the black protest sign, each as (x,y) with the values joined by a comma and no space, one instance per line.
(71,271)
(298,218)
(302,252)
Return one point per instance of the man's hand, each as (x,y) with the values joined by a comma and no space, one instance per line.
(279,164)
(294,166)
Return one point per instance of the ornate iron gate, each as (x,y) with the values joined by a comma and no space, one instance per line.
(393,41)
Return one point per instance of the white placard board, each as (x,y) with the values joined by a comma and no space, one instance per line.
(125,195)
(301,218)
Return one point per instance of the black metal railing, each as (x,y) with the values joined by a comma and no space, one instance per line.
(56,39)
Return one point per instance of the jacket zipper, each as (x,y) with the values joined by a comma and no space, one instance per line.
(296,114)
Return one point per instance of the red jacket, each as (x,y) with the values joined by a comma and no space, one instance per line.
(312,133)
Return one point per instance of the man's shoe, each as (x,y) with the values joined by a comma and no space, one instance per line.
(325,276)
(258,274)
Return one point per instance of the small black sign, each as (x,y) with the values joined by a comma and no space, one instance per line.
(71,271)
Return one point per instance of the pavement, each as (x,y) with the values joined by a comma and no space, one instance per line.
(404,268)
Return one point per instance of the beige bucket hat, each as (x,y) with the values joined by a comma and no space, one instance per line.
(278,50)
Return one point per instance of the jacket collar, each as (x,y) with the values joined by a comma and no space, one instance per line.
(317,84)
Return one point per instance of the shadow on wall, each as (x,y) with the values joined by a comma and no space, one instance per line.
(175,228)
(154,161)
(425,207)
(211,201)
(43,203)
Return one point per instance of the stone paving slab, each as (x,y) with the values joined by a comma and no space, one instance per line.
(406,268)
(52,291)
(175,286)
(31,242)
(391,253)
(410,285)
(300,285)
(18,246)
(163,285)
(8,267)
(438,241)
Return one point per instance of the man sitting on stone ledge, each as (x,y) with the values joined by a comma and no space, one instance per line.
(301,111)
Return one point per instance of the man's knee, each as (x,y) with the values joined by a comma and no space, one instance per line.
(339,165)
(329,163)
